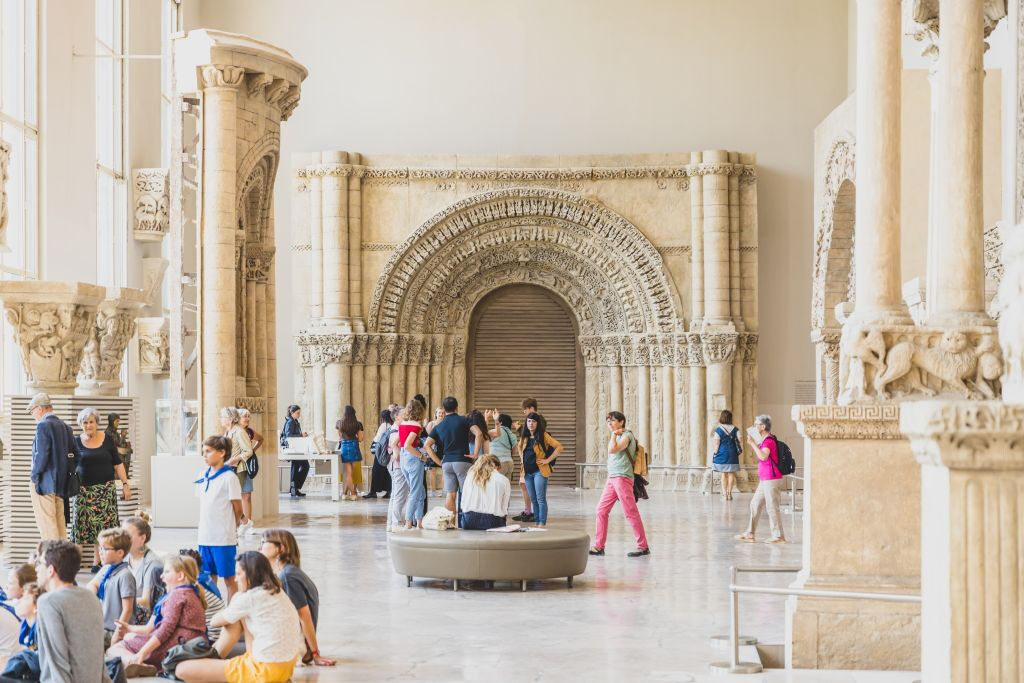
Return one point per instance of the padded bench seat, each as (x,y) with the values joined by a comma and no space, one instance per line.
(488,556)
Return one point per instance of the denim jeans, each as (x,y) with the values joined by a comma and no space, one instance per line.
(413,468)
(537,486)
(399,496)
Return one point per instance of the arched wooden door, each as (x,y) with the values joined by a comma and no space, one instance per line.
(523,343)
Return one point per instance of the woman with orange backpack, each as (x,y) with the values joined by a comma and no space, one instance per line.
(539,449)
(622,449)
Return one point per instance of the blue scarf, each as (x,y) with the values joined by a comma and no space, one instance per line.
(107,573)
(207,478)
(158,615)
(207,584)
(27,635)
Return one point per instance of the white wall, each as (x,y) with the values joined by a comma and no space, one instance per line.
(572,77)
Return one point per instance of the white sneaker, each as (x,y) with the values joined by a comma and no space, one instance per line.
(244,528)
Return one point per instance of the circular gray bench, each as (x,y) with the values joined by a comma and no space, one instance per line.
(487,556)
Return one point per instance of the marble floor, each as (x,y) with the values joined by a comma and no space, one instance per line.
(647,618)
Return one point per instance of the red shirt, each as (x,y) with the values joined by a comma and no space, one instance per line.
(404,430)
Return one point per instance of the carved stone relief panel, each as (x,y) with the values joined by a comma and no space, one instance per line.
(152,204)
(154,346)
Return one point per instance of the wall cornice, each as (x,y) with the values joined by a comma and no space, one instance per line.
(848,422)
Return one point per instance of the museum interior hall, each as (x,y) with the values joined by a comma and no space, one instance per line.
(537,340)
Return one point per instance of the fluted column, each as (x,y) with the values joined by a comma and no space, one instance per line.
(217,235)
(958,275)
(879,69)
(335,238)
(355,241)
(717,298)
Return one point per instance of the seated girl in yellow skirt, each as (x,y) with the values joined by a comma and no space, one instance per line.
(264,614)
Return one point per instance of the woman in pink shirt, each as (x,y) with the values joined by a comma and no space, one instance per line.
(769,488)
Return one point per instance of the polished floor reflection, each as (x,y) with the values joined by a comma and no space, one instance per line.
(647,618)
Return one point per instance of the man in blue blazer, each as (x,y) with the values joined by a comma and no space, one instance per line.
(54,452)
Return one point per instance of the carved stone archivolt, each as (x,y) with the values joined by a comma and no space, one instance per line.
(52,322)
(152,204)
(833,233)
(104,352)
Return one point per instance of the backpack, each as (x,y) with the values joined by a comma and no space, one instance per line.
(379,448)
(252,466)
(786,463)
(732,440)
(639,456)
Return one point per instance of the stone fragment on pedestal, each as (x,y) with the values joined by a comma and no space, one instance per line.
(154,352)
(153,276)
(152,204)
(109,337)
(52,322)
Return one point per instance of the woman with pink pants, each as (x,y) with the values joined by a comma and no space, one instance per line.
(619,486)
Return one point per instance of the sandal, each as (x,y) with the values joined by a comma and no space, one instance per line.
(780,539)
(746,538)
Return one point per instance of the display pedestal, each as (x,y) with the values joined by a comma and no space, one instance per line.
(174,490)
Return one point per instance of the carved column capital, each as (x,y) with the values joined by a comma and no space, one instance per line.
(258,260)
(221,76)
(321,349)
(969,435)
(719,348)
(100,374)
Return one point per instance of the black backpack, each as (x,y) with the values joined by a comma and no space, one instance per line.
(379,448)
(786,463)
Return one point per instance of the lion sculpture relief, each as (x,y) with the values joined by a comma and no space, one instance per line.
(953,361)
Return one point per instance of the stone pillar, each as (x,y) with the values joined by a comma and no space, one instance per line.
(335,237)
(52,322)
(643,395)
(972,484)
(316,245)
(319,406)
(103,355)
(877,247)
(717,298)
(668,400)
(719,351)
(862,509)
(593,408)
(826,348)
(252,382)
(217,236)
(355,242)
(957,274)
(698,414)
(696,245)
(615,388)
(734,245)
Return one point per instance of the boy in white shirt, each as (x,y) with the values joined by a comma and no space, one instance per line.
(220,510)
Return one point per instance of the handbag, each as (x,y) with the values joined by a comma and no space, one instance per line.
(73,486)
(195,648)
(252,466)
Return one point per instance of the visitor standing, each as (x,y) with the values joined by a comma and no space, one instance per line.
(622,447)
(255,440)
(220,508)
(241,450)
(264,614)
(69,628)
(380,479)
(528,405)
(766,448)
(146,565)
(539,449)
(95,507)
(279,546)
(485,501)
(725,444)
(502,442)
(399,484)
(54,452)
(299,468)
(452,434)
(350,433)
(412,461)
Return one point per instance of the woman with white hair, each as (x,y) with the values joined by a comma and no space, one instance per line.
(241,450)
(95,507)
(766,448)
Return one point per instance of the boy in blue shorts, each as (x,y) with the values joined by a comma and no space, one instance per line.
(220,510)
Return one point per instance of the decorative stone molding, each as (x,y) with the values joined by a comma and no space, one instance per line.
(907,361)
(719,348)
(152,204)
(974,435)
(258,260)
(221,76)
(302,247)
(100,374)
(674,249)
(321,349)
(153,270)
(380,246)
(848,422)
(154,346)
(255,405)
(52,322)
(1010,309)
(582,233)
(840,167)
(5,159)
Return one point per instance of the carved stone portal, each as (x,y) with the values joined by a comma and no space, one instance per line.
(52,322)
(152,204)
(104,352)
(154,351)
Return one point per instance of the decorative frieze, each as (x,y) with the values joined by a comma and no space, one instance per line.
(878,421)
(256,405)
(100,374)
(154,346)
(52,322)
(152,203)
(719,348)
(321,349)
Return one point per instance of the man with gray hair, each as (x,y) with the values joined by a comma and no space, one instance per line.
(54,452)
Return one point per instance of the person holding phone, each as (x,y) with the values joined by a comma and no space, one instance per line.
(766,448)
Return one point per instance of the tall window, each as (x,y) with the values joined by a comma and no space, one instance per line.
(171,21)
(111,195)
(19,128)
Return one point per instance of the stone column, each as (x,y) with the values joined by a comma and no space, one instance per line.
(319,420)
(52,322)
(615,387)
(643,395)
(734,245)
(316,244)
(355,242)
(957,272)
(972,484)
(335,237)
(252,382)
(696,245)
(826,348)
(103,355)
(217,236)
(859,479)
(668,401)
(698,401)
(877,247)
(717,297)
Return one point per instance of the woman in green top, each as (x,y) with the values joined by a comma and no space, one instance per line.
(619,486)
(503,440)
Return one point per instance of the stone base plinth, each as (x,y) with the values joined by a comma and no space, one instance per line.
(862,533)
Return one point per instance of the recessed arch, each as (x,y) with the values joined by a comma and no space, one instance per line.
(834,234)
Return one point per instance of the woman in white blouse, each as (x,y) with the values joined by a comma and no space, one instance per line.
(266,616)
(485,498)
